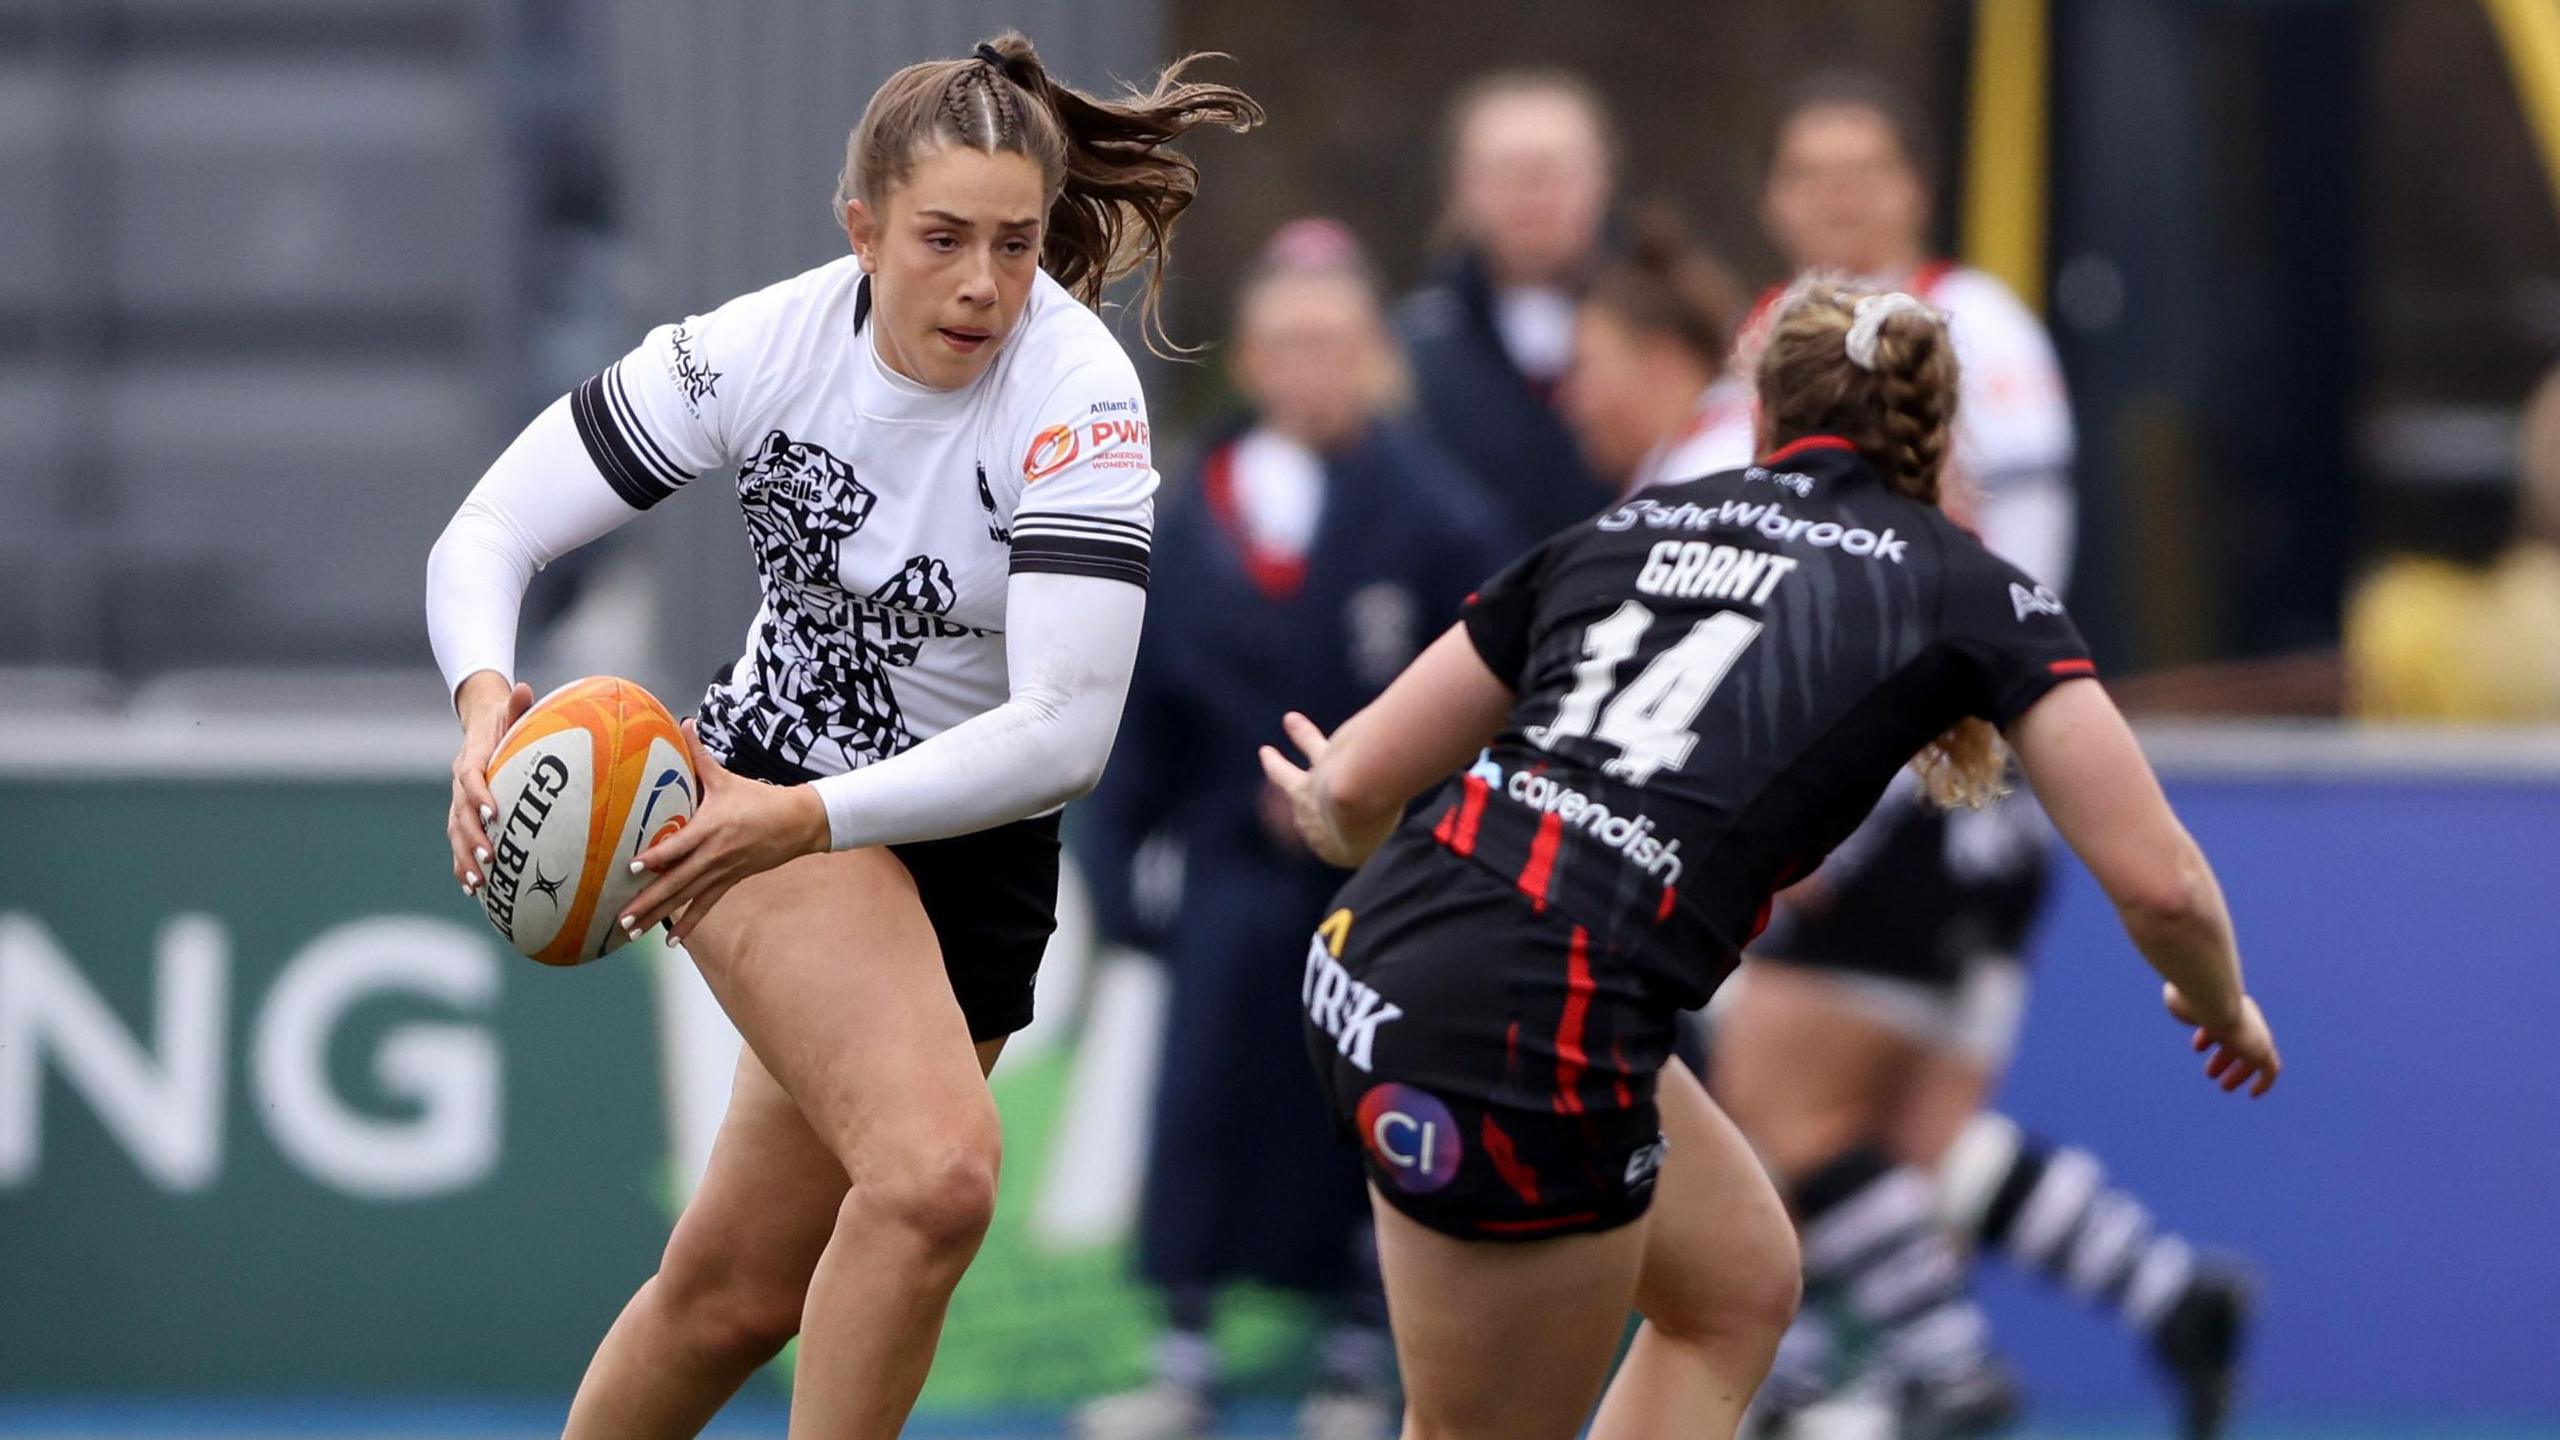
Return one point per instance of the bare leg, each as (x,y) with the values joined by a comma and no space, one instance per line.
(728,1292)
(852,1227)
(1805,1072)
(1945,1092)
(1719,1283)
(1503,1341)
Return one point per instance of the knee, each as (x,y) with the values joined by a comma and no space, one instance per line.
(1745,1304)
(1765,1298)
(942,1198)
(723,1309)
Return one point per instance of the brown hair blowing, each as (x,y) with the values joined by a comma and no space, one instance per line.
(1901,416)
(1115,188)
(1666,283)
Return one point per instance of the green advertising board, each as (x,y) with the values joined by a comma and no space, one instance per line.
(280,1115)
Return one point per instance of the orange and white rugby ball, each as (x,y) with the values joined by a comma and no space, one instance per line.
(594,773)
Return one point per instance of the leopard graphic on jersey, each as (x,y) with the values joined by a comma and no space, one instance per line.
(819,695)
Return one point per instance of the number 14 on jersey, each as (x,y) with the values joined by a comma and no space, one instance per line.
(1648,719)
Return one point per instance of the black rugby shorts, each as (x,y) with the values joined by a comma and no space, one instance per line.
(1496,1071)
(992,897)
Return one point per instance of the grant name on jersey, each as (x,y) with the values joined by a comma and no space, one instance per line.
(1698,570)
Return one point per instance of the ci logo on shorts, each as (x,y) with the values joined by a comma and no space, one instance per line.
(1411,1135)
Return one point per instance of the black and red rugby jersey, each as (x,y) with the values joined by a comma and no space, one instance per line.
(1717,679)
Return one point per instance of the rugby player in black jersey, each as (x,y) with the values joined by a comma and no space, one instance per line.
(1674,709)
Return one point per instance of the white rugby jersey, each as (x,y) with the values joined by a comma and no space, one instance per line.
(885,516)
(2013,417)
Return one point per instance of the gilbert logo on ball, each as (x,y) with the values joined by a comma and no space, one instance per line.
(1412,1134)
(594,773)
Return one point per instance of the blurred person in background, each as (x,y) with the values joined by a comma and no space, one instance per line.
(1531,158)
(1650,385)
(1885,999)
(1319,544)
(2432,639)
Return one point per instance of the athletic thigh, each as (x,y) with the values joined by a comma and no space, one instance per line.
(1504,1340)
(1803,1069)
(766,1205)
(1720,1252)
(830,969)
(1945,1093)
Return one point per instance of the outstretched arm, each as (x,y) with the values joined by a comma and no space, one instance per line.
(1434,718)
(2092,777)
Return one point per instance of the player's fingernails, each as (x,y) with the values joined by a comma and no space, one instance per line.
(487,814)
(630,927)
(481,854)
(471,880)
(637,867)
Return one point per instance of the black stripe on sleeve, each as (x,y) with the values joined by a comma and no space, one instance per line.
(1054,554)
(629,420)
(591,409)
(1129,531)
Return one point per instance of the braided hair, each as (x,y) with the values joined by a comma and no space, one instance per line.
(1879,371)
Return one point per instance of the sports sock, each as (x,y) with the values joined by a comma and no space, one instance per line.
(1185,1355)
(2051,1209)
(1873,1244)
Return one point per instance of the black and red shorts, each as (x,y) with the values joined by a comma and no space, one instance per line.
(1496,1067)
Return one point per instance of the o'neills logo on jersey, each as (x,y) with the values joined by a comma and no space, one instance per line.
(1630,835)
(1769,518)
(1052,450)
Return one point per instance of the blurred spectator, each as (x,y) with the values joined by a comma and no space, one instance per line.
(1847,193)
(2434,639)
(1531,160)
(1319,547)
(1650,353)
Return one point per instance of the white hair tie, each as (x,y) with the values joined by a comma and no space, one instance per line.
(1868,319)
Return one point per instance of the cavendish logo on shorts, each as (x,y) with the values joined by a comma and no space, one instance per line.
(1630,834)
(1411,1135)
(1051,451)
(1338,1005)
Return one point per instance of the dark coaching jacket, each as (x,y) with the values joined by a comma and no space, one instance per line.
(1234,638)
(1502,426)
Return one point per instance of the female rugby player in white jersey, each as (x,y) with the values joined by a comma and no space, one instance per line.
(1887,994)
(943,461)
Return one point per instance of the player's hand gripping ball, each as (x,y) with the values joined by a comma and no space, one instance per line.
(594,773)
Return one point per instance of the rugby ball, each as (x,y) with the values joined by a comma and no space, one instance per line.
(594,773)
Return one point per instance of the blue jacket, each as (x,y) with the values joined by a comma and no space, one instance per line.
(1248,1176)
(1501,425)
(1403,538)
